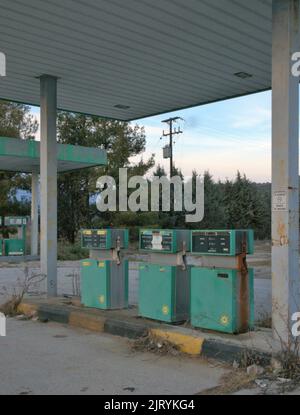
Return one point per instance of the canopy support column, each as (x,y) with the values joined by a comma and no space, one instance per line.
(48,86)
(34,213)
(285,170)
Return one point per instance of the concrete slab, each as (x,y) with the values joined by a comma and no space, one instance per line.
(56,359)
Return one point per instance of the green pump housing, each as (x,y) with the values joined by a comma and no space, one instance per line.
(15,246)
(104,284)
(104,276)
(222,299)
(164,293)
(164,288)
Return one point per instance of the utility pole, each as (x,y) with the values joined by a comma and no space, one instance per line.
(168,150)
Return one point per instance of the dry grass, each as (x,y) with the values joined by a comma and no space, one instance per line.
(230,383)
(249,358)
(155,345)
(17,292)
(264,321)
(290,362)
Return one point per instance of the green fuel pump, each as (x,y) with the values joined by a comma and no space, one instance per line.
(222,291)
(164,281)
(104,276)
(15,246)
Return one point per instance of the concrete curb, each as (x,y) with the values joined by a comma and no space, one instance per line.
(59,314)
(230,353)
(86,321)
(125,328)
(188,341)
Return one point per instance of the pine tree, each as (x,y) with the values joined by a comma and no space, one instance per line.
(243,206)
(122,141)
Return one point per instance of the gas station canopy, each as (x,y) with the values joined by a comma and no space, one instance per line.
(135,58)
(24,156)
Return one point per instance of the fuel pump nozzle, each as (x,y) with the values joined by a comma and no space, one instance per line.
(116,251)
(182,259)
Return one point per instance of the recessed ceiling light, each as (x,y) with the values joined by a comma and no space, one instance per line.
(122,107)
(243,75)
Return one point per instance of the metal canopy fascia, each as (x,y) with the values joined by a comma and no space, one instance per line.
(109,55)
(24,156)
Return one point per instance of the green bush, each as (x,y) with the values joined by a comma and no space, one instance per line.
(69,252)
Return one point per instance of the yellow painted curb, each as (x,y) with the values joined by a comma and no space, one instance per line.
(27,309)
(86,321)
(187,344)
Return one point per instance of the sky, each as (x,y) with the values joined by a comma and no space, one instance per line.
(222,138)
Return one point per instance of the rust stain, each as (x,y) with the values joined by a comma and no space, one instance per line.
(283,239)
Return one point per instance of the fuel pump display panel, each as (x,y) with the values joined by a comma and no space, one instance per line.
(104,239)
(211,242)
(15,221)
(222,243)
(94,239)
(157,240)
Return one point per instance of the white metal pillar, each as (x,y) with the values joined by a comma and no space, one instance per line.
(48,170)
(285,169)
(34,213)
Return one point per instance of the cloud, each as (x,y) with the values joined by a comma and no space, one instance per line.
(252,118)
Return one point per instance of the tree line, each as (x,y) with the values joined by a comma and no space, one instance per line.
(237,203)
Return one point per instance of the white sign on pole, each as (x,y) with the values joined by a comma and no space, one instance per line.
(280,201)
